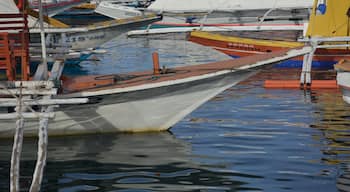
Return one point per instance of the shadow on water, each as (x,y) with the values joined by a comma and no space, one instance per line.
(113,162)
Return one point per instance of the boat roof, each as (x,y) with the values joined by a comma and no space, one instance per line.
(225,5)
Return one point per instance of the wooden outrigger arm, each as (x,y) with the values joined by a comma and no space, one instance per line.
(315,43)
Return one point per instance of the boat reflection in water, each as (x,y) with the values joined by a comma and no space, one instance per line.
(116,161)
(334,122)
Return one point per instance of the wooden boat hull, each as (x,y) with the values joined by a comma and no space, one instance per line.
(145,101)
(155,109)
(240,47)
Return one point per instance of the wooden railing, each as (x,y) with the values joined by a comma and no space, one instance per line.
(15,42)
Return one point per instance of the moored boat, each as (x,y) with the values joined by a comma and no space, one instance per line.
(71,40)
(240,47)
(321,25)
(145,101)
(209,12)
(343,78)
(184,16)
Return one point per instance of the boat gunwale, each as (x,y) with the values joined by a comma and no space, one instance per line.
(196,72)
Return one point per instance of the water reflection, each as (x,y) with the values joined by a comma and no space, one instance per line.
(334,122)
(135,54)
(155,162)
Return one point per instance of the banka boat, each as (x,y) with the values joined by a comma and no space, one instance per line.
(327,19)
(152,100)
(144,101)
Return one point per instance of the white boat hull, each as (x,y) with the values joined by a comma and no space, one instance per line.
(93,36)
(343,79)
(155,109)
(116,11)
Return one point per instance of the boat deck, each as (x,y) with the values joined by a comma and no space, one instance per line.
(101,82)
(343,65)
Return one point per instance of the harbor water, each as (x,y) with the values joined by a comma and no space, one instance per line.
(246,139)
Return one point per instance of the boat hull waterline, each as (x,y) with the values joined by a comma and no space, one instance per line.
(148,102)
(157,110)
(237,47)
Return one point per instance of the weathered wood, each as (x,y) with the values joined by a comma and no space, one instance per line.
(325,39)
(27,84)
(50,51)
(10,102)
(56,70)
(16,156)
(42,151)
(27,91)
(26,115)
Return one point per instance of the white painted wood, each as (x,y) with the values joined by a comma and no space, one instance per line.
(216,28)
(180,6)
(9,102)
(42,150)
(26,84)
(60,30)
(325,39)
(26,91)
(16,156)
(26,115)
(116,10)
(343,80)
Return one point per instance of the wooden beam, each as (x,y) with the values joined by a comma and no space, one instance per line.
(12,102)
(26,91)
(26,115)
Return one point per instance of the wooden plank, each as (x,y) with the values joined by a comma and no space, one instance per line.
(27,84)
(26,91)
(26,115)
(12,102)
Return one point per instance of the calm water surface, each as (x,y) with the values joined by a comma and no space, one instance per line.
(245,139)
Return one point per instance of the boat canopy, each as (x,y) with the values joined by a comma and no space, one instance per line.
(8,6)
(329,18)
(225,5)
